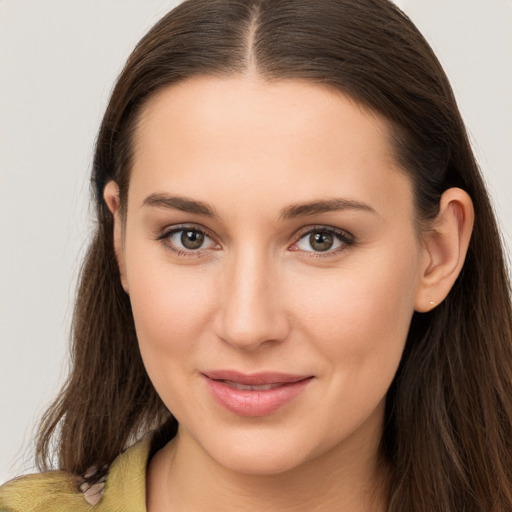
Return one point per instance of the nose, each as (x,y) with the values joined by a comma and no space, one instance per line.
(252,312)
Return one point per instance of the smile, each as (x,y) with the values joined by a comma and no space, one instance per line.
(250,387)
(254,395)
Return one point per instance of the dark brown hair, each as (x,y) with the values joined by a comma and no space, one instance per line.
(448,431)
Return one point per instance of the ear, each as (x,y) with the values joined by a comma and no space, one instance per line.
(111,197)
(445,247)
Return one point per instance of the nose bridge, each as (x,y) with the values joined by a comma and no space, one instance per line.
(251,312)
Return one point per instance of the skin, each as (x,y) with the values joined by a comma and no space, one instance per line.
(257,296)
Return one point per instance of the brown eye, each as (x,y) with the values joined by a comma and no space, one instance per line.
(188,240)
(192,239)
(321,241)
(327,240)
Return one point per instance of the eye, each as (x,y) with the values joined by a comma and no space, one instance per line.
(185,240)
(323,240)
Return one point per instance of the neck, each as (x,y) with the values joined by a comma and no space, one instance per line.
(183,478)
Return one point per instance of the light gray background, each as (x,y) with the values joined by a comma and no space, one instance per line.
(58,61)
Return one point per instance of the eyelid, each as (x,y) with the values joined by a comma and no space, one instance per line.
(346,238)
(164,237)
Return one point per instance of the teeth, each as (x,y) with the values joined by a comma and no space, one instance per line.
(250,387)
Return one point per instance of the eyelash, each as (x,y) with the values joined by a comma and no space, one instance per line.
(164,238)
(346,240)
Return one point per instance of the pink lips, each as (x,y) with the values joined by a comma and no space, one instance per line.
(255,394)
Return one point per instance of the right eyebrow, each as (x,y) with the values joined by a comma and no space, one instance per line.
(183,204)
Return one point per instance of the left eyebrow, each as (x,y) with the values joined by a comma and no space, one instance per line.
(323,206)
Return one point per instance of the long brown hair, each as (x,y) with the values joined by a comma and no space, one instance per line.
(448,430)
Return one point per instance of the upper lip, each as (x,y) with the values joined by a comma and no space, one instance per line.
(254,379)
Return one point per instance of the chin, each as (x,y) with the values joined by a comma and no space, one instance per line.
(259,454)
(260,462)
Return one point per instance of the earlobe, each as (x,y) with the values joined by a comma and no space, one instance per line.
(445,248)
(111,197)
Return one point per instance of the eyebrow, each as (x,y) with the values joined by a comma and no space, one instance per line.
(292,211)
(180,203)
(323,206)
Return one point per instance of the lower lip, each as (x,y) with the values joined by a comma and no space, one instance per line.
(254,403)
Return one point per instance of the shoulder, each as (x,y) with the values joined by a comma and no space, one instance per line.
(52,491)
(56,491)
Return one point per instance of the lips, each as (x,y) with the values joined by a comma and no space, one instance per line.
(250,387)
(254,395)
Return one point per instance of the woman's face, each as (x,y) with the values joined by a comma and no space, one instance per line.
(272,263)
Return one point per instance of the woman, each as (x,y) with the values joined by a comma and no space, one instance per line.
(296,297)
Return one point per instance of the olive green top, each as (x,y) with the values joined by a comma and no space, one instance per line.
(56,491)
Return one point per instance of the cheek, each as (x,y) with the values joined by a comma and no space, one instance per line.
(361,314)
(170,312)
(170,306)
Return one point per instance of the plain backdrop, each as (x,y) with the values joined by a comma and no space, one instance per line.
(58,62)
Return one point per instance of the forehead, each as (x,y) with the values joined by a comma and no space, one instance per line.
(243,103)
(275,138)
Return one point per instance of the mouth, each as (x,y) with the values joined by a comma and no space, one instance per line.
(254,395)
(250,387)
